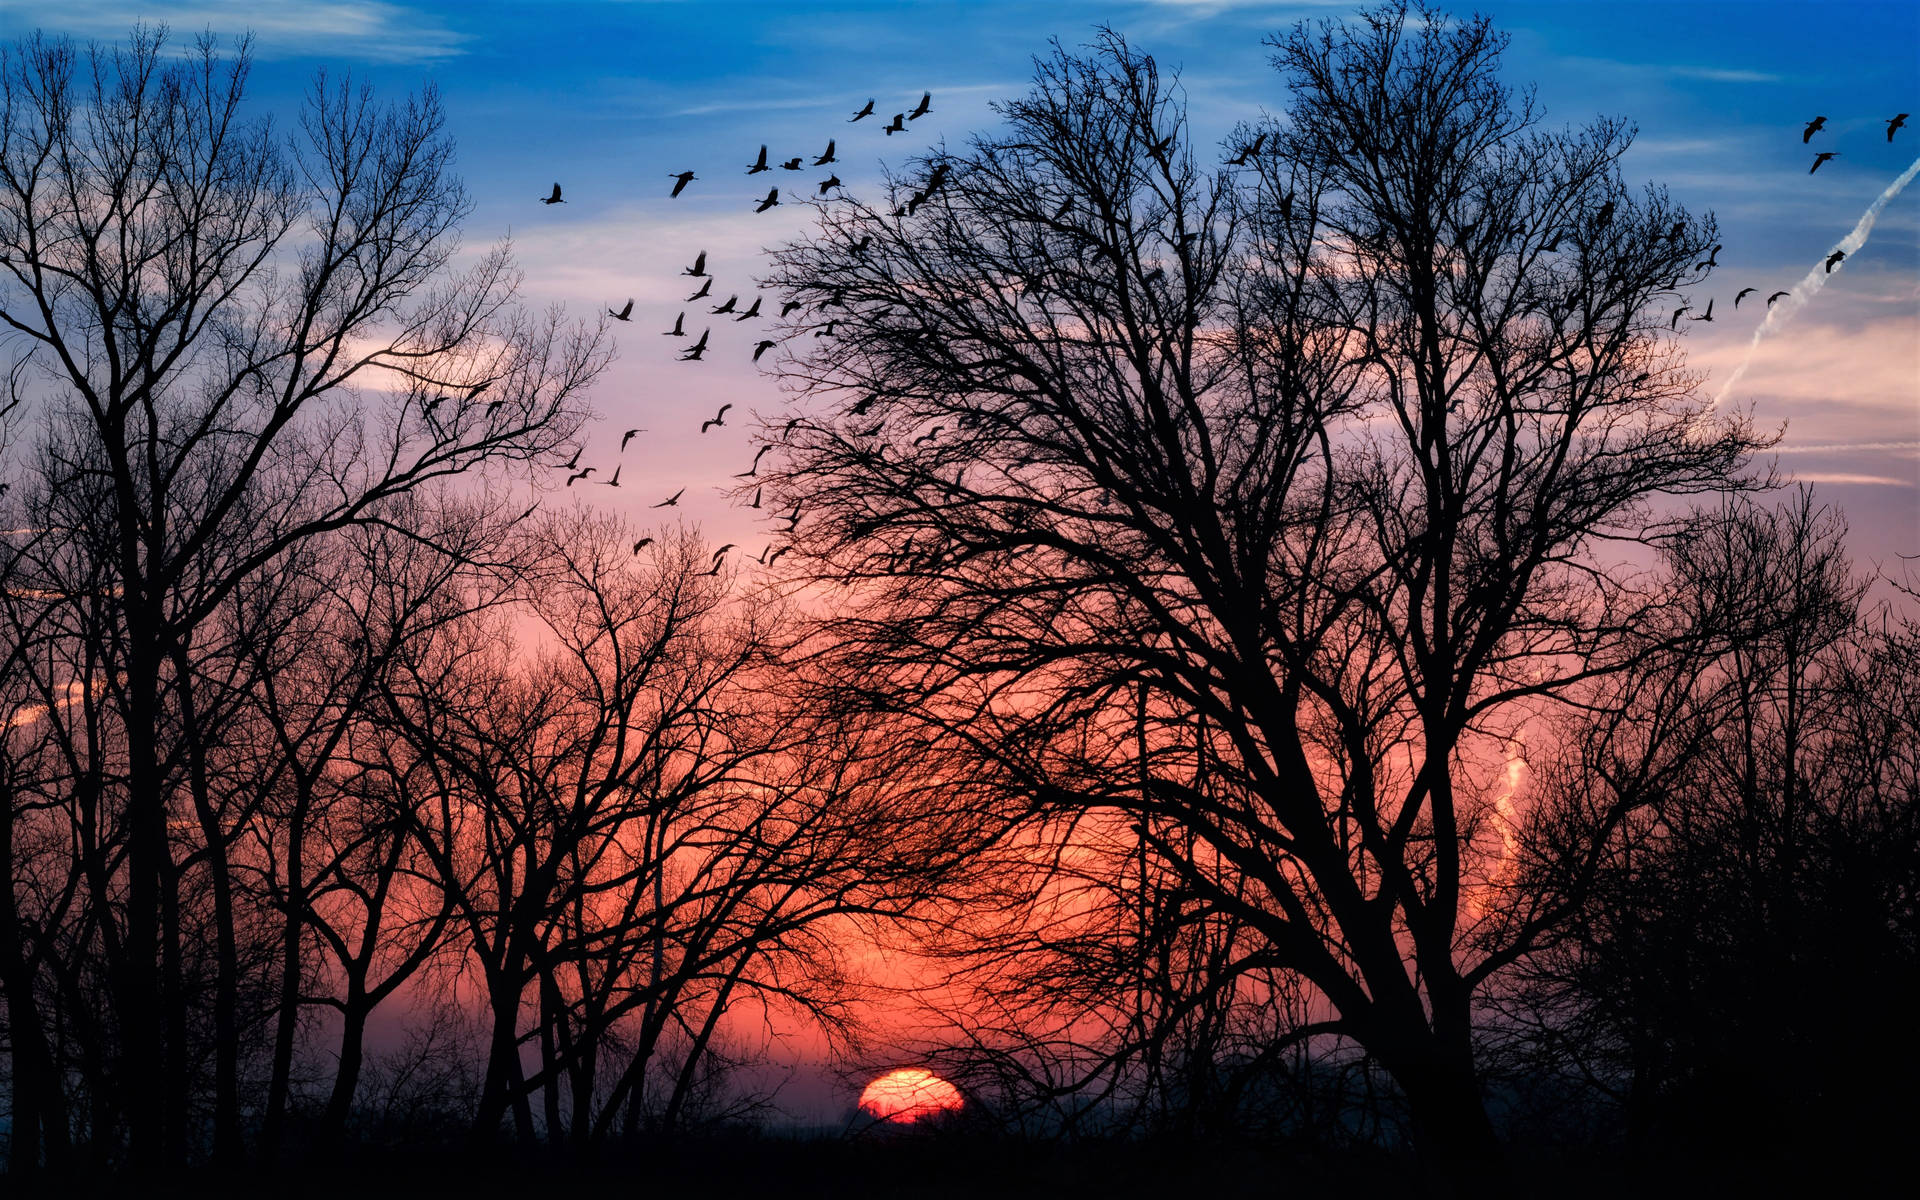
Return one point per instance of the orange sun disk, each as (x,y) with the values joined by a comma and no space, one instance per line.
(909,1094)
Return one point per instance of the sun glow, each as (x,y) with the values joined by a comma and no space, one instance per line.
(909,1094)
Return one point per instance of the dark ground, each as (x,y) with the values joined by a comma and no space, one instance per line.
(972,1168)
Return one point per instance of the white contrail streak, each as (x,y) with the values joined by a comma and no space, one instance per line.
(1783,311)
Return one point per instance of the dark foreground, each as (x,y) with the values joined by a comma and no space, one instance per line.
(966,1168)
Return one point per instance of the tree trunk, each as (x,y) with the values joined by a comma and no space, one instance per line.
(1452,1132)
(286,1026)
(141,1019)
(39,1129)
(226,989)
(346,1077)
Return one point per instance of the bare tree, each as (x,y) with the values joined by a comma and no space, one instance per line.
(641,839)
(207,307)
(1325,454)
(1749,811)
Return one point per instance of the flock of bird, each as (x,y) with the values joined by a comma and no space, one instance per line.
(696,351)
(1894,124)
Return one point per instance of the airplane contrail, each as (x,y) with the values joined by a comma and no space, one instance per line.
(1816,279)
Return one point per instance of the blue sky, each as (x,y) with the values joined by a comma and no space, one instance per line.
(610,97)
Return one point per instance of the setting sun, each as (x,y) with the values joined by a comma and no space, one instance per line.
(909,1094)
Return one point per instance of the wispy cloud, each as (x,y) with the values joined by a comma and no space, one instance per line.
(1842,477)
(371,29)
(1723,74)
(836,99)
(1850,447)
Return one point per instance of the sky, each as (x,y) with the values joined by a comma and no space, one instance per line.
(609,98)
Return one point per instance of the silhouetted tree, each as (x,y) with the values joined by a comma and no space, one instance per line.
(204,307)
(639,834)
(1326,454)
(1747,923)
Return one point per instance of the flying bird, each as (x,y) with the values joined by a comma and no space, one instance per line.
(728,306)
(751,312)
(830,182)
(1814,126)
(625,314)
(1821,157)
(699,267)
(573,462)
(792,164)
(1834,259)
(716,568)
(642,544)
(1677,313)
(581,474)
(679,325)
(756,500)
(1742,295)
(929,435)
(694,352)
(554,198)
(827,157)
(786,310)
(776,555)
(762,346)
(722,550)
(628,436)
(1894,125)
(1708,315)
(923,108)
(719,418)
(672,501)
(680,182)
(865,111)
(1776,296)
(899,124)
(615,481)
(706,289)
(759,164)
(1712,259)
(751,471)
(773,198)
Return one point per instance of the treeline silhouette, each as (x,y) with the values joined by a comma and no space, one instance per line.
(1288,637)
